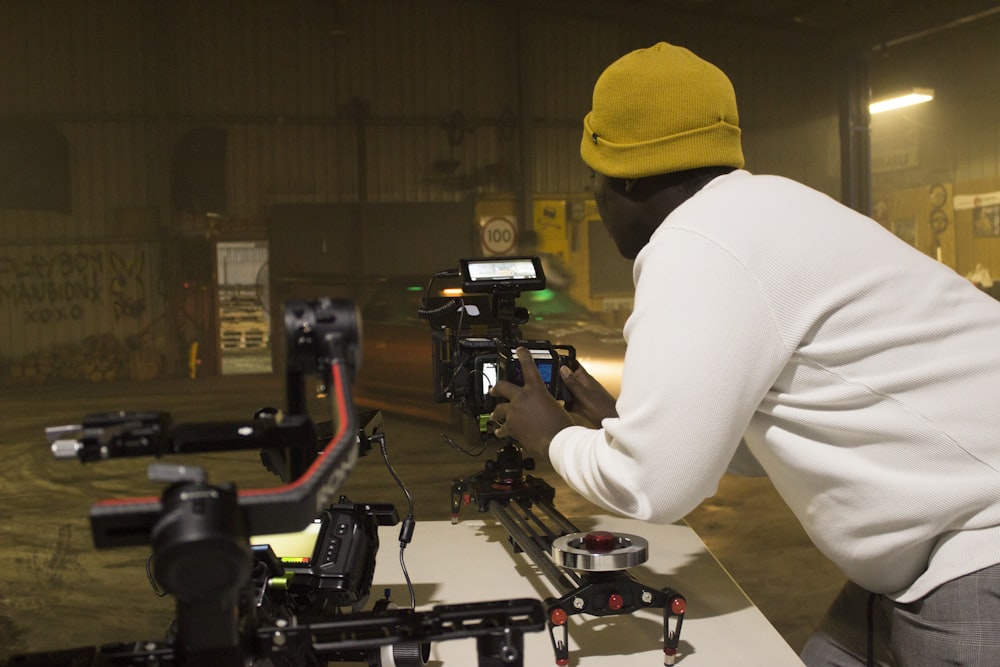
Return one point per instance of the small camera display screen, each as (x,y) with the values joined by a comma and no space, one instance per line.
(489,376)
(293,548)
(545,370)
(502,273)
(513,269)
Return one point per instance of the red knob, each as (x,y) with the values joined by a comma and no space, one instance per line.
(599,541)
(558,616)
(678,606)
(616,601)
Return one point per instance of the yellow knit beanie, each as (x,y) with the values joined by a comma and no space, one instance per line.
(660,110)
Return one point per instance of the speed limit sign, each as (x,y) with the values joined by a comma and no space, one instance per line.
(498,235)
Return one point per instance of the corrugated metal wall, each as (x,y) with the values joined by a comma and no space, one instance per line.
(427,90)
(380,101)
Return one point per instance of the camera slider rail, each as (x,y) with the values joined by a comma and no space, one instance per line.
(498,627)
(523,505)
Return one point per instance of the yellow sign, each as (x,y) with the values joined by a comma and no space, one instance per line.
(550,228)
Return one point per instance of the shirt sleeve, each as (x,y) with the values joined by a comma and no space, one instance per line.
(703,350)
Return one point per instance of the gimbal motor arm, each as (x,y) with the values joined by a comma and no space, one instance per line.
(323,339)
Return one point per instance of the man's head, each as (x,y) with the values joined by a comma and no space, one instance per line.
(661,110)
(656,112)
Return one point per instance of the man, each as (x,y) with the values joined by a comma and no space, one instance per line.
(774,326)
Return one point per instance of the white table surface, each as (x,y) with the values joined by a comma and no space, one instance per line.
(471,561)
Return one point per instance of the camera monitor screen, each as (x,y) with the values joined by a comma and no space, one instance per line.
(546,365)
(545,370)
(545,360)
(487,373)
(293,549)
(502,273)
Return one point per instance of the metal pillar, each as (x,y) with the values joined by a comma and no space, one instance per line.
(855,136)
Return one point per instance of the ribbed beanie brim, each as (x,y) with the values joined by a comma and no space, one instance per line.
(660,110)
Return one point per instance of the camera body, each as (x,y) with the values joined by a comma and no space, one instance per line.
(476,330)
(545,356)
(331,563)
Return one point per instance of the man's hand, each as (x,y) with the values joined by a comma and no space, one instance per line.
(531,415)
(591,400)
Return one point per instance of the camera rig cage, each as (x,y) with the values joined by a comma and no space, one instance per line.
(590,570)
(475,330)
(238,603)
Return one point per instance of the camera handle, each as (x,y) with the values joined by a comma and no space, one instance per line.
(524,506)
(503,303)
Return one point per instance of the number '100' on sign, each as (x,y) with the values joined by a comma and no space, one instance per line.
(498,235)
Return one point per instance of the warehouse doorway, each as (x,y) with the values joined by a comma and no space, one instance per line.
(244,307)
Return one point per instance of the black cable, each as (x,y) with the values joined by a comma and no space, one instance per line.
(152,579)
(458,334)
(871,629)
(406,530)
(451,306)
(444,309)
(448,273)
(462,450)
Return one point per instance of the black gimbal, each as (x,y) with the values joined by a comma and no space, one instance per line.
(230,610)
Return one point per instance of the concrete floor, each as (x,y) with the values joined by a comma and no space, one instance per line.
(57,591)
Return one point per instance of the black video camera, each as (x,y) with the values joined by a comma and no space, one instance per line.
(328,565)
(476,329)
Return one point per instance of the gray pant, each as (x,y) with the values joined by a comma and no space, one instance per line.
(956,624)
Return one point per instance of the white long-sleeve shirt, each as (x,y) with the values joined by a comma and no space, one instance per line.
(863,375)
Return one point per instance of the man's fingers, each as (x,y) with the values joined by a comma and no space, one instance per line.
(579,377)
(569,378)
(504,389)
(499,414)
(499,419)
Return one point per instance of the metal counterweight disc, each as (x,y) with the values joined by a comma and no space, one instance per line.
(616,551)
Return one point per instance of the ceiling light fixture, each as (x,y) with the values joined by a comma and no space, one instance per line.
(899,100)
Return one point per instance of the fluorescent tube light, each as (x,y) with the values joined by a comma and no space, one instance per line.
(909,98)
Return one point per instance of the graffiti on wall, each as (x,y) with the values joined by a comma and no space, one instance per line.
(66,285)
(128,290)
